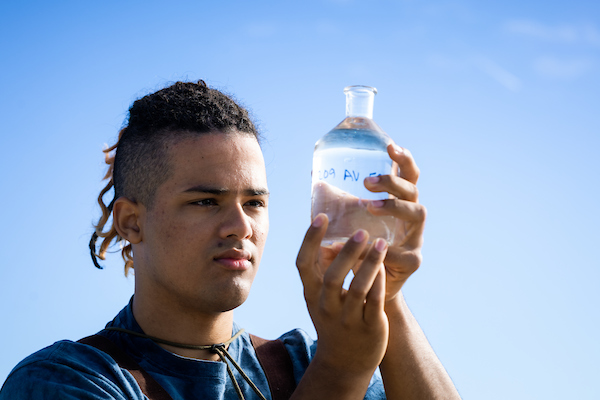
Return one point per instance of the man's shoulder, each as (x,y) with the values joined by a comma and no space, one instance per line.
(69,369)
(297,338)
(301,348)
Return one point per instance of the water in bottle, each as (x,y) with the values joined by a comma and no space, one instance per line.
(352,151)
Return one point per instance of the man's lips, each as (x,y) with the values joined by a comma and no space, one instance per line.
(234,259)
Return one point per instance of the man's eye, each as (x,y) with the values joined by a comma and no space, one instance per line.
(206,202)
(255,203)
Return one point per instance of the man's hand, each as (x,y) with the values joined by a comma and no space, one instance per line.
(371,319)
(351,324)
(404,256)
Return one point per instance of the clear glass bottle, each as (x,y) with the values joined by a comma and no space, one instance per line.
(343,158)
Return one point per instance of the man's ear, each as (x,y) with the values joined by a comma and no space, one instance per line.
(127,215)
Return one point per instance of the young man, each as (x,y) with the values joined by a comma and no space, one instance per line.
(190,204)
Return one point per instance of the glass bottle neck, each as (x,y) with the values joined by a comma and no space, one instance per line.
(359,101)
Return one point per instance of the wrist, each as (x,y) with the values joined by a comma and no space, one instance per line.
(348,367)
(324,379)
(395,304)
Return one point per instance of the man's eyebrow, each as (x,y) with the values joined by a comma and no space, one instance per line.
(222,191)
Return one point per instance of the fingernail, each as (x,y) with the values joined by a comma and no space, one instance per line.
(377,203)
(359,236)
(318,221)
(373,179)
(399,150)
(380,245)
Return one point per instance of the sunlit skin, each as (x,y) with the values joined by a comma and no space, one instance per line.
(198,247)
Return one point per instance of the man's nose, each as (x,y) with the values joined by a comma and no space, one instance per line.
(236,223)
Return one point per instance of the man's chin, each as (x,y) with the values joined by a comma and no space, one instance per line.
(233,299)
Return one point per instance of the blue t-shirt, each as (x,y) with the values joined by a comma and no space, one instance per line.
(70,370)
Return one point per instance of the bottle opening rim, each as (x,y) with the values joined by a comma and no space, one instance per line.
(360,88)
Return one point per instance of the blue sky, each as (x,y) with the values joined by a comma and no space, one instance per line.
(498,101)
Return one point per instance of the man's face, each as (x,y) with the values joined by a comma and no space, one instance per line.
(203,237)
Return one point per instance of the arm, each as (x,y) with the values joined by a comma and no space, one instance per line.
(410,368)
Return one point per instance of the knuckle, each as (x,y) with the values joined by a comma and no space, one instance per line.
(420,212)
(300,262)
(412,260)
(417,172)
(357,292)
(412,193)
(329,282)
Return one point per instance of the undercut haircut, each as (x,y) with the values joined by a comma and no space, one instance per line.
(138,163)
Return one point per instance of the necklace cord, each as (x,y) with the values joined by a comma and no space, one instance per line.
(220,349)
(175,344)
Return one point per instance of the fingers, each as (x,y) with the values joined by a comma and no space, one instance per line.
(406,162)
(405,196)
(309,252)
(328,287)
(394,185)
(410,222)
(402,209)
(402,186)
(368,285)
(408,260)
(376,297)
(339,268)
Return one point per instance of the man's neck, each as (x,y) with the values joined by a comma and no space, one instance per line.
(182,325)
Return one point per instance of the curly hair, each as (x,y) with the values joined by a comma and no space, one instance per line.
(138,163)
